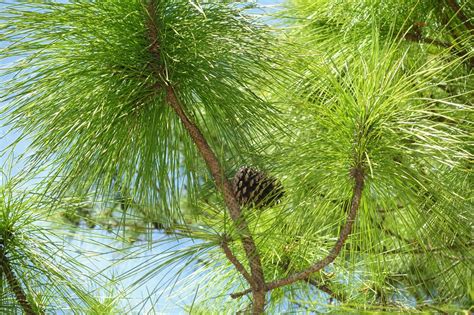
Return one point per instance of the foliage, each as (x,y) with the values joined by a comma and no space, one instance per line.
(384,87)
(96,54)
(41,259)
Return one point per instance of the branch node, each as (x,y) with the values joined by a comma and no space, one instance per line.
(237,264)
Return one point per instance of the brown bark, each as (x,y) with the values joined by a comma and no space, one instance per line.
(237,264)
(460,14)
(358,175)
(256,270)
(258,288)
(15,285)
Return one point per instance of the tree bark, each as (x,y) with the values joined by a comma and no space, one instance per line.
(15,285)
(358,175)
(258,288)
(460,14)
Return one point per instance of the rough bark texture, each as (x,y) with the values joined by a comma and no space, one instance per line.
(15,285)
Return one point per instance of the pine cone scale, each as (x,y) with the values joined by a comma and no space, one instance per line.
(255,189)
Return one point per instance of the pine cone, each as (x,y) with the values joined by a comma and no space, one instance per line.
(254,189)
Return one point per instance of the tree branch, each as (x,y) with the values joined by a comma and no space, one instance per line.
(420,250)
(224,185)
(237,264)
(242,293)
(326,290)
(460,52)
(460,14)
(418,38)
(314,283)
(154,47)
(15,285)
(358,175)
(322,287)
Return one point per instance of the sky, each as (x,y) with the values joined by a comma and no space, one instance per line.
(166,303)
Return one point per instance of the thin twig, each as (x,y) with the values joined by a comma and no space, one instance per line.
(346,230)
(242,293)
(419,38)
(462,53)
(358,175)
(420,250)
(322,287)
(398,236)
(15,285)
(154,47)
(327,290)
(437,309)
(413,37)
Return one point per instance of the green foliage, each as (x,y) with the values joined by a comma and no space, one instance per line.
(85,89)
(365,95)
(382,85)
(41,260)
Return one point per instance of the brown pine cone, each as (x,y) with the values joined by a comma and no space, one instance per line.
(255,189)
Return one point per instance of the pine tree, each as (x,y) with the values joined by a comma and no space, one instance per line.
(354,118)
